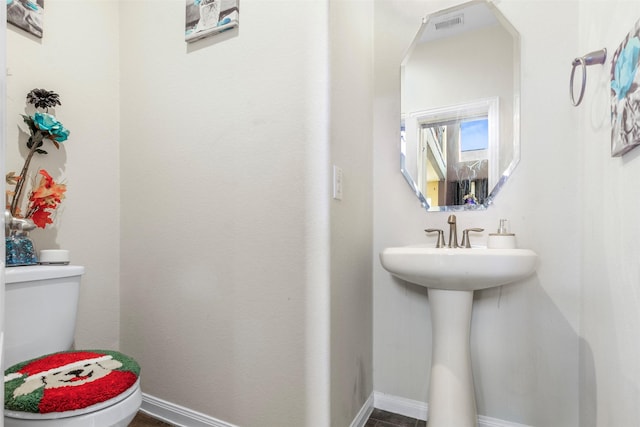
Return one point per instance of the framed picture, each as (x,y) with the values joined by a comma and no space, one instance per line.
(27,15)
(207,17)
(625,94)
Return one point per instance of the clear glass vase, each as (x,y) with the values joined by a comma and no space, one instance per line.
(19,249)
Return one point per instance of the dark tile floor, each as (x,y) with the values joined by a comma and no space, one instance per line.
(144,420)
(378,418)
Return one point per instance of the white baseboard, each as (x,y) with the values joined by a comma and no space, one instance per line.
(400,405)
(363,415)
(494,422)
(178,415)
(420,410)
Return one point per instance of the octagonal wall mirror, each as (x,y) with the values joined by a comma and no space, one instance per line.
(460,107)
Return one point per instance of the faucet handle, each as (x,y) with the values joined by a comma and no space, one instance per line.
(440,242)
(466,243)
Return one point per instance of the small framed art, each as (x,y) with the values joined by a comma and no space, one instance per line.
(625,94)
(27,15)
(208,17)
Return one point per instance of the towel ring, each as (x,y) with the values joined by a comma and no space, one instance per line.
(597,57)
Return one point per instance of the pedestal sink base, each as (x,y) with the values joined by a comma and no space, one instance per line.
(451,275)
(451,395)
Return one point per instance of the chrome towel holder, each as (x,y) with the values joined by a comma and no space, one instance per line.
(596,57)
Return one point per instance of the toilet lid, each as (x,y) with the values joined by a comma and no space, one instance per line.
(68,381)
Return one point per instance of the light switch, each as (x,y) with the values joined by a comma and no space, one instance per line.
(337,182)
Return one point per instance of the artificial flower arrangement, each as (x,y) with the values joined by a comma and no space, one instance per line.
(47,195)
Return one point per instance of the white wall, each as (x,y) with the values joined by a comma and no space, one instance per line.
(351,31)
(525,336)
(78,59)
(610,312)
(226,214)
(450,60)
(224,210)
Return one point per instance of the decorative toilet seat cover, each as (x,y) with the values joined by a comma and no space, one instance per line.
(68,381)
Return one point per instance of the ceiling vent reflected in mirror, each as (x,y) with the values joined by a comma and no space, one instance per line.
(450,22)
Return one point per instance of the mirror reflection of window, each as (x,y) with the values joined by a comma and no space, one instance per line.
(459,181)
(433,173)
(474,135)
(452,148)
(474,139)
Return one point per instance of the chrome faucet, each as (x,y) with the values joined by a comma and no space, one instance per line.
(453,235)
(440,243)
(466,243)
(453,232)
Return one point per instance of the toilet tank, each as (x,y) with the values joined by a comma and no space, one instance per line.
(41,303)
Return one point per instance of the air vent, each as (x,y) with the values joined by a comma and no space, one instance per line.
(450,22)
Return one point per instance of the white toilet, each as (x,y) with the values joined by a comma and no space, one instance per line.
(40,305)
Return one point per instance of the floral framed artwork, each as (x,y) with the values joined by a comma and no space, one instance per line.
(625,94)
(208,17)
(27,15)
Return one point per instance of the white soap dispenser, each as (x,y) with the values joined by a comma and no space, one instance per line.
(503,239)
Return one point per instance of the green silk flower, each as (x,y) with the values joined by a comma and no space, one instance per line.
(48,123)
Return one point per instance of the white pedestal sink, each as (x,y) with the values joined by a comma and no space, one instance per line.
(451,276)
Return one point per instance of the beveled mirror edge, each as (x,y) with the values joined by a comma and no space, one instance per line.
(517,78)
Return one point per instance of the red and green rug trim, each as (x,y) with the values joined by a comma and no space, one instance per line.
(68,398)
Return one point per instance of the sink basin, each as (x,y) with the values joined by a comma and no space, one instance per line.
(451,276)
(458,269)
